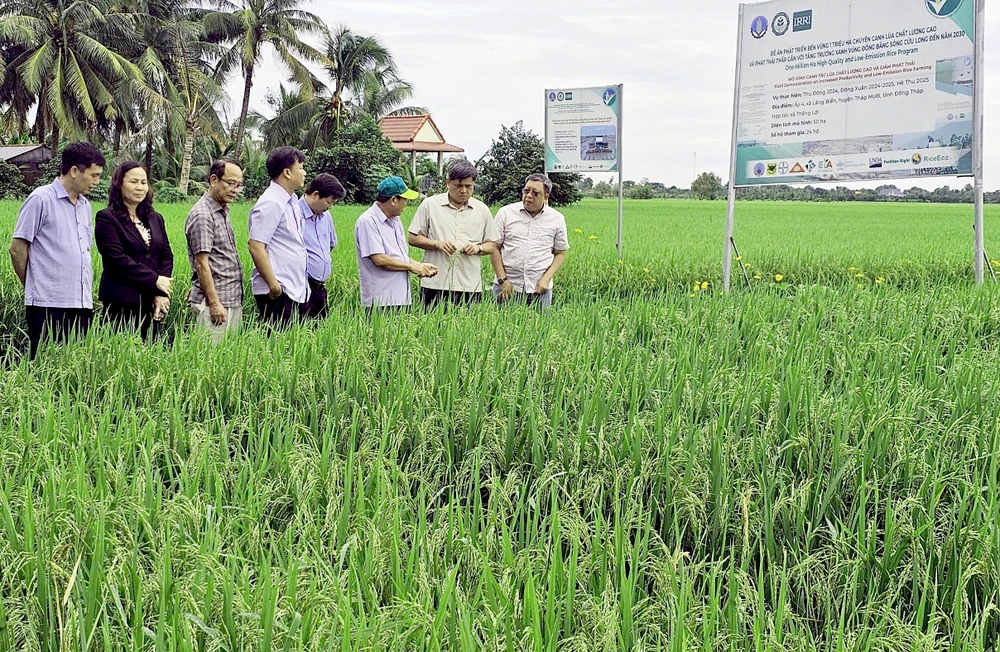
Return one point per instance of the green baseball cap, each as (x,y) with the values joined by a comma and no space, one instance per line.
(396,187)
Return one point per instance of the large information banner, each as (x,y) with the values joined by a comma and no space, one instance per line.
(855,89)
(583,129)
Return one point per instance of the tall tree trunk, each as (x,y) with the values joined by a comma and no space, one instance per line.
(119,128)
(189,129)
(55,138)
(149,153)
(247,86)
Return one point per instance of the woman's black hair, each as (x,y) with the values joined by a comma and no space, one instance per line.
(115,201)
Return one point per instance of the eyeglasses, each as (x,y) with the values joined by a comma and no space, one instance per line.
(235,185)
(533,193)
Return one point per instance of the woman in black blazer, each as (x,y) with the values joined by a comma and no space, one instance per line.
(138,263)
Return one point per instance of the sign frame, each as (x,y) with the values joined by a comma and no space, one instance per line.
(549,168)
(977,141)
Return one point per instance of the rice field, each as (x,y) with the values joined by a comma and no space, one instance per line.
(808,463)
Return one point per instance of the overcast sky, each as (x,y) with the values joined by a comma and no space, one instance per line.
(479,65)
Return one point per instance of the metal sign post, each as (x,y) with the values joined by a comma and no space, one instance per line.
(621,108)
(727,254)
(979,83)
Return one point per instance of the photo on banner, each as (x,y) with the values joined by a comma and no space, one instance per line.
(850,90)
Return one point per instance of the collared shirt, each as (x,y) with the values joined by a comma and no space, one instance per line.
(375,234)
(275,221)
(60,270)
(320,238)
(528,243)
(209,231)
(437,219)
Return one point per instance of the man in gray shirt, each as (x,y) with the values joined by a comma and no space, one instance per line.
(50,249)
(217,284)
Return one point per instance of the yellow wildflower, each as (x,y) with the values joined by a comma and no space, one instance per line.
(879,280)
(645,269)
(739,258)
(779,278)
(691,295)
(756,276)
(592,237)
(852,269)
(859,286)
(704,285)
(578,230)
(859,275)
(747,265)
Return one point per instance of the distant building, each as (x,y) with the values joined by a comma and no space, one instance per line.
(891,192)
(417,134)
(30,158)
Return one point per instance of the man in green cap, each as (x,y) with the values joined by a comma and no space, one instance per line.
(384,261)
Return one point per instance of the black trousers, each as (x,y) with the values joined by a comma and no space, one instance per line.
(316,307)
(278,313)
(131,316)
(55,325)
(432,298)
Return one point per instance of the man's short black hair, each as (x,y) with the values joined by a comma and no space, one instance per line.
(218,169)
(81,156)
(282,158)
(326,185)
(461,169)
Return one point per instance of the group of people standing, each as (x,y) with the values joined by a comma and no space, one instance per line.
(290,240)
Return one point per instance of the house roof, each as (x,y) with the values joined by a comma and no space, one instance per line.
(404,130)
(427,147)
(13,151)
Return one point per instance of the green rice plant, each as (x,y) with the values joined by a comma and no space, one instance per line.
(798,465)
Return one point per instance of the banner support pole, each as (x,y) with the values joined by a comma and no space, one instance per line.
(977,135)
(727,252)
(621,108)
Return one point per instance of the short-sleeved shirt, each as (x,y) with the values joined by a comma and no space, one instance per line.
(437,219)
(209,231)
(528,243)
(60,270)
(374,233)
(320,238)
(276,222)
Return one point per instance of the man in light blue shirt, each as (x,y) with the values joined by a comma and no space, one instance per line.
(276,244)
(384,262)
(50,249)
(320,239)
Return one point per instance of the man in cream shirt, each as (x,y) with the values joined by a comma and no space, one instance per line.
(533,244)
(454,229)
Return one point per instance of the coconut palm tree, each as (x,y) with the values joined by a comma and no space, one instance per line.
(66,65)
(350,63)
(384,93)
(363,79)
(246,28)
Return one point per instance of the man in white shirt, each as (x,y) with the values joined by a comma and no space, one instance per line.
(454,229)
(533,245)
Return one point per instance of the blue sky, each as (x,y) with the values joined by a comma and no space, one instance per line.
(480,65)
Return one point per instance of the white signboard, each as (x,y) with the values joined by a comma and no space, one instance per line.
(583,129)
(845,90)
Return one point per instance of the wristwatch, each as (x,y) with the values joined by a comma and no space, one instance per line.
(501,281)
